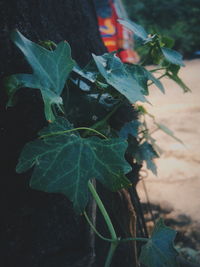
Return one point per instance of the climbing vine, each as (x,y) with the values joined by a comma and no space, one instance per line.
(76,148)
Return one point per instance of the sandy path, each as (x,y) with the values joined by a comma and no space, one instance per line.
(178,180)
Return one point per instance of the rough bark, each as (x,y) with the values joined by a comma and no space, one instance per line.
(38,229)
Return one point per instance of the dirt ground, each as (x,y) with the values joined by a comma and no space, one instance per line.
(177,185)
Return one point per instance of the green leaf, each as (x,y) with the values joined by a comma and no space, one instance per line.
(172,73)
(88,73)
(142,76)
(167,41)
(176,79)
(129,128)
(120,76)
(146,152)
(159,251)
(138,30)
(155,81)
(50,71)
(166,130)
(64,163)
(172,56)
(173,69)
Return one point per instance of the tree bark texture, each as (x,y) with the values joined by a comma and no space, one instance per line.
(40,229)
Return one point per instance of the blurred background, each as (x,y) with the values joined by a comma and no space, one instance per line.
(175,192)
(178,19)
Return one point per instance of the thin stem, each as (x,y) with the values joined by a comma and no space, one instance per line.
(94,229)
(111,253)
(72,130)
(115,240)
(153,131)
(163,75)
(103,210)
(154,70)
(104,120)
(107,117)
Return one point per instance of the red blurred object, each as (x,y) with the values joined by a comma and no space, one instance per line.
(115,36)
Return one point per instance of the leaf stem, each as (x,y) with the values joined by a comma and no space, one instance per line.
(107,117)
(72,130)
(111,252)
(104,120)
(163,75)
(94,228)
(103,210)
(154,70)
(115,240)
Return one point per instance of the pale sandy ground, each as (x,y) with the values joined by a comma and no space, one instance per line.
(178,181)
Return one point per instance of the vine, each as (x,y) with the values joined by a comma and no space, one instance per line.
(66,157)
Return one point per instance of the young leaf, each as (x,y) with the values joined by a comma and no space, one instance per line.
(172,56)
(147,153)
(166,130)
(50,71)
(120,77)
(138,30)
(65,162)
(129,128)
(159,251)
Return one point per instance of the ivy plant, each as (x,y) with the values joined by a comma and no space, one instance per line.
(67,156)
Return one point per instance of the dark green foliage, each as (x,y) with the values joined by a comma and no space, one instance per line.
(119,76)
(64,162)
(172,56)
(159,251)
(66,159)
(129,128)
(50,72)
(129,80)
(179,19)
(146,152)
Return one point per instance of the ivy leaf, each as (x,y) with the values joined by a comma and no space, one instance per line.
(120,77)
(89,72)
(152,78)
(159,251)
(142,76)
(129,128)
(65,162)
(166,130)
(50,71)
(138,30)
(172,56)
(146,152)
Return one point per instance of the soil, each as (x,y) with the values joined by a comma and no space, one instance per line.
(176,187)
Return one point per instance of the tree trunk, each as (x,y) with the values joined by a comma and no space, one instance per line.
(40,229)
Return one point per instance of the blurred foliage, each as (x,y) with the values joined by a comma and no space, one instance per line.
(178,19)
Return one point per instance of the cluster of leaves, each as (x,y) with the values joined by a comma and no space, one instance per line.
(66,158)
(182,24)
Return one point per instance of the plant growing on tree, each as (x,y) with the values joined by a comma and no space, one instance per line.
(68,155)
